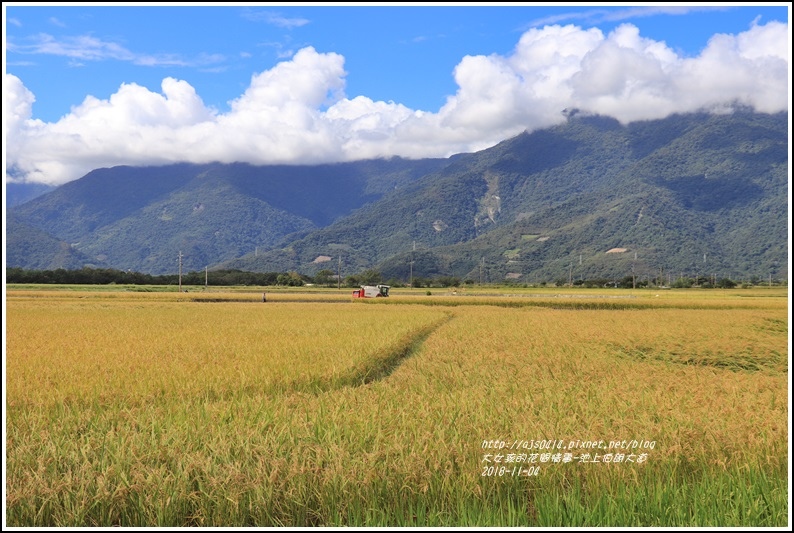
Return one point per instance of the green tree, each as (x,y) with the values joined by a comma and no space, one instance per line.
(294,279)
(291,279)
(324,277)
(448,281)
(370,277)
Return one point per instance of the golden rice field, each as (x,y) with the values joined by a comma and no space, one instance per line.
(509,408)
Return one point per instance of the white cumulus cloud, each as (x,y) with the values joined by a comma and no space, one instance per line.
(298,112)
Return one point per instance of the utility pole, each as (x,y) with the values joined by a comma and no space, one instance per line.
(206,277)
(180,270)
(411,282)
(570,274)
(339,273)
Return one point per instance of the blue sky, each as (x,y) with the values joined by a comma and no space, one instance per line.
(92,86)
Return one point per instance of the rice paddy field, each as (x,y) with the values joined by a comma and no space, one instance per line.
(512,407)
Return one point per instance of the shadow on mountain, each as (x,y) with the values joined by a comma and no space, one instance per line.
(704,194)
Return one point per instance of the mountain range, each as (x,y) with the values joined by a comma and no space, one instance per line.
(692,194)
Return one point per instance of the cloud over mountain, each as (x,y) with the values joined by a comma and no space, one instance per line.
(298,112)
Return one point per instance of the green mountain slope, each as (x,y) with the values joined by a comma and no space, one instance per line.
(690,194)
(39,250)
(140,218)
(534,207)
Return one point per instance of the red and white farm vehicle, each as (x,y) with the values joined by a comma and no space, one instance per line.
(372,291)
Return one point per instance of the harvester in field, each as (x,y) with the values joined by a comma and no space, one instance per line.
(372,291)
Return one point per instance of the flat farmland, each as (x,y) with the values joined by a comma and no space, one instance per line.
(547,408)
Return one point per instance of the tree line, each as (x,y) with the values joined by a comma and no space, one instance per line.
(326,278)
(106,276)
